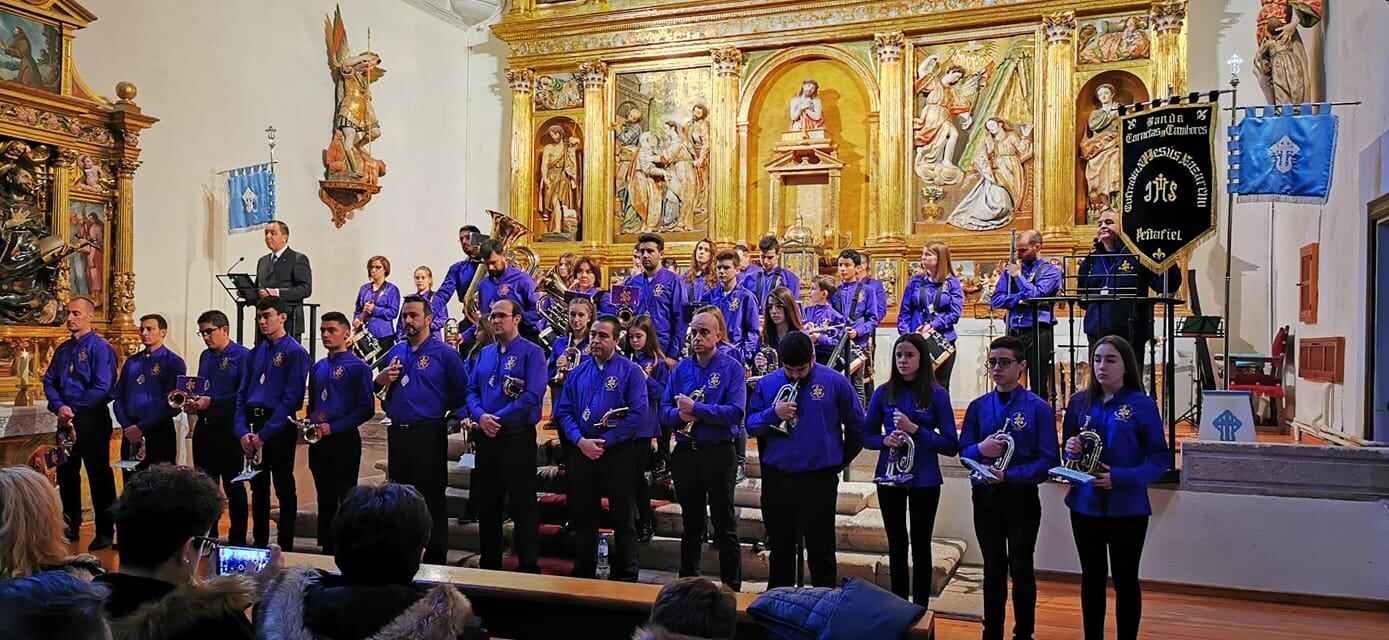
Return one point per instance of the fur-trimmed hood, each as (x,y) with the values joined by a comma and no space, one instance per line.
(216,609)
(441,613)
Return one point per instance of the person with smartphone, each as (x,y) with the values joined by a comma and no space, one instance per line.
(340,400)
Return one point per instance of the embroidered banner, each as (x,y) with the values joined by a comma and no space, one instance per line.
(1169,183)
(251,191)
(1283,153)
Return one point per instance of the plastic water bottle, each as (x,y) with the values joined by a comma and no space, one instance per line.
(603,569)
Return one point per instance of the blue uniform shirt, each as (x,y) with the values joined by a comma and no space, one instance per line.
(431,382)
(436,328)
(81,375)
(1120,273)
(720,415)
(520,359)
(591,390)
(925,300)
(662,297)
(657,374)
(223,372)
(825,400)
(823,315)
(386,309)
(861,311)
(1031,422)
(696,287)
(274,380)
(935,435)
(1135,449)
(142,391)
(879,297)
(459,276)
(340,392)
(761,282)
(513,284)
(601,300)
(739,309)
(1039,279)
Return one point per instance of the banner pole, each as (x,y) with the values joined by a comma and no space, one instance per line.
(1234,64)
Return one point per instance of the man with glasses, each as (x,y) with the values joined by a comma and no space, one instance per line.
(1007,511)
(505,391)
(142,397)
(216,451)
(661,293)
(461,274)
(1028,278)
(272,391)
(800,468)
(340,400)
(767,274)
(706,390)
(423,381)
(603,458)
(1115,276)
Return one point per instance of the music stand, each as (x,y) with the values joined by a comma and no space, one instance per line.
(242,289)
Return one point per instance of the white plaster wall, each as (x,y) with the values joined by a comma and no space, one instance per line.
(217,73)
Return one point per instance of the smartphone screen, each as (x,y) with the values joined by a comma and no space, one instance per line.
(244,560)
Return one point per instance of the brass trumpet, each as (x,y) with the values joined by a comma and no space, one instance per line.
(513,387)
(900,462)
(1000,463)
(763,363)
(137,456)
(307,430)
(451,329)
(571,355)
(385,392)
(616,413)
(1081,470)
(250,469)
(787,393)
(688,429)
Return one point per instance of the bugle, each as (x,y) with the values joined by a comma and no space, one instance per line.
(900,461)
(980,472)
(787,393)
(1082,469)
(616,413)
(250,469)
(137,456)
(307,431)
(385,391)
(687,429)
(513,387)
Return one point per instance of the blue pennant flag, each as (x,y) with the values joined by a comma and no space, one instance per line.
(252,194)
(1283,153)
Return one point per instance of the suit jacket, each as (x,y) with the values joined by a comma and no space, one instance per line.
(292,275)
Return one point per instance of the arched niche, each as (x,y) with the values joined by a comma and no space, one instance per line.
(1129,89)
(570,221)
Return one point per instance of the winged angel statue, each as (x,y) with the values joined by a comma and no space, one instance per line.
(348,156)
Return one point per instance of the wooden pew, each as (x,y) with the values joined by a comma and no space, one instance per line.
(518,605)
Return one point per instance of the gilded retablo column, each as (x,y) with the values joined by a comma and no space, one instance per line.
(122,296)
(1169,48)
(723,158)
(522,83)
(889,219)
(597,205)
(1058,152)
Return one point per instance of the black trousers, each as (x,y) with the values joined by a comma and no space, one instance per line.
(913,584)
(505,473)
(1110,547)
(1006,520)
(1039,370)
(217,453)
(703,474)
(943,373)
(334,462)
(93,450)
(416,455)
(160,447)
(589,481)
(642,489)
(277,464)
(799,506)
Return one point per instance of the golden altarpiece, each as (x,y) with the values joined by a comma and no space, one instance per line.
(875,124)
(67,164)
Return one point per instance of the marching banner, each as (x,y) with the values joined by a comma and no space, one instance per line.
(1167,155)
(251,194)
(1283,154)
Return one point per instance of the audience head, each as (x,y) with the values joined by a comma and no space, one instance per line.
(53,604)
(160,515)
(31,523)
(381,532)
(695,606)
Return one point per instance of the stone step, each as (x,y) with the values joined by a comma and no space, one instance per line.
(862,532)
(853,496)
(860,470)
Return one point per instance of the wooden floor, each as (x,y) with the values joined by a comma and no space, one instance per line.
(1165,616)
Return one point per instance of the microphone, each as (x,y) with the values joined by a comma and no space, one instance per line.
(238,261)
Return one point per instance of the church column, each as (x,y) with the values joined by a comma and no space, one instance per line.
(63,171)
(728,227)
(597,206)
(122,293)
(1059,150)
(887,221)
(522,83)
(1169,49)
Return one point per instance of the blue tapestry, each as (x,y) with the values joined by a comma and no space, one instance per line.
(1276,156)
(252,194)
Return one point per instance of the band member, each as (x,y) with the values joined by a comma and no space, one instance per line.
(581,315)
(700,279)
(272,391)
(646,353)
(764,276)
(216,450)
(911,406)
(604,457)
(504,396)
(422,382)
(564,268)
(781,316)
(823,323)
(1028,278)
(460,275)
(933,301)
(738,305)
(744,259)
(703,463)
(340,400)
(505,282)
(378,303)
(78,386)
(800,469)
(1007,511)
(424,288)
(662,295)
(1112,270)
(1109,517)
(873,284)
(142,397)
(857,301)
(285,274)
(588,276)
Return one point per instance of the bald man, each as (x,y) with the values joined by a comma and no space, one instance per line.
(1023,281)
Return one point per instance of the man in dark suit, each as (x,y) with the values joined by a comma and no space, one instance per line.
(285,272)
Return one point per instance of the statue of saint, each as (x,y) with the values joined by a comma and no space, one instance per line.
(806,108)
(559,179)
(1100,151)
(355,125)
(1281,59)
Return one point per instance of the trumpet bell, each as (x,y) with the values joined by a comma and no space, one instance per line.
(178,400)
(900,462)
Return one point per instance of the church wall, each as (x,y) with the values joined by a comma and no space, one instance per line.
(218,73)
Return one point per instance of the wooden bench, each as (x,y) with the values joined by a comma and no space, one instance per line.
(518,605)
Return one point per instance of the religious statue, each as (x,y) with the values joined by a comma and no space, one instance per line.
(677,163)
(1000,166)
(29,254)
(559,182)
(628,137)
(807,110)
(352,173)
(945,115)
(1114,40)
(698,132)
(1281,58)
(1100,151)
(648,184)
